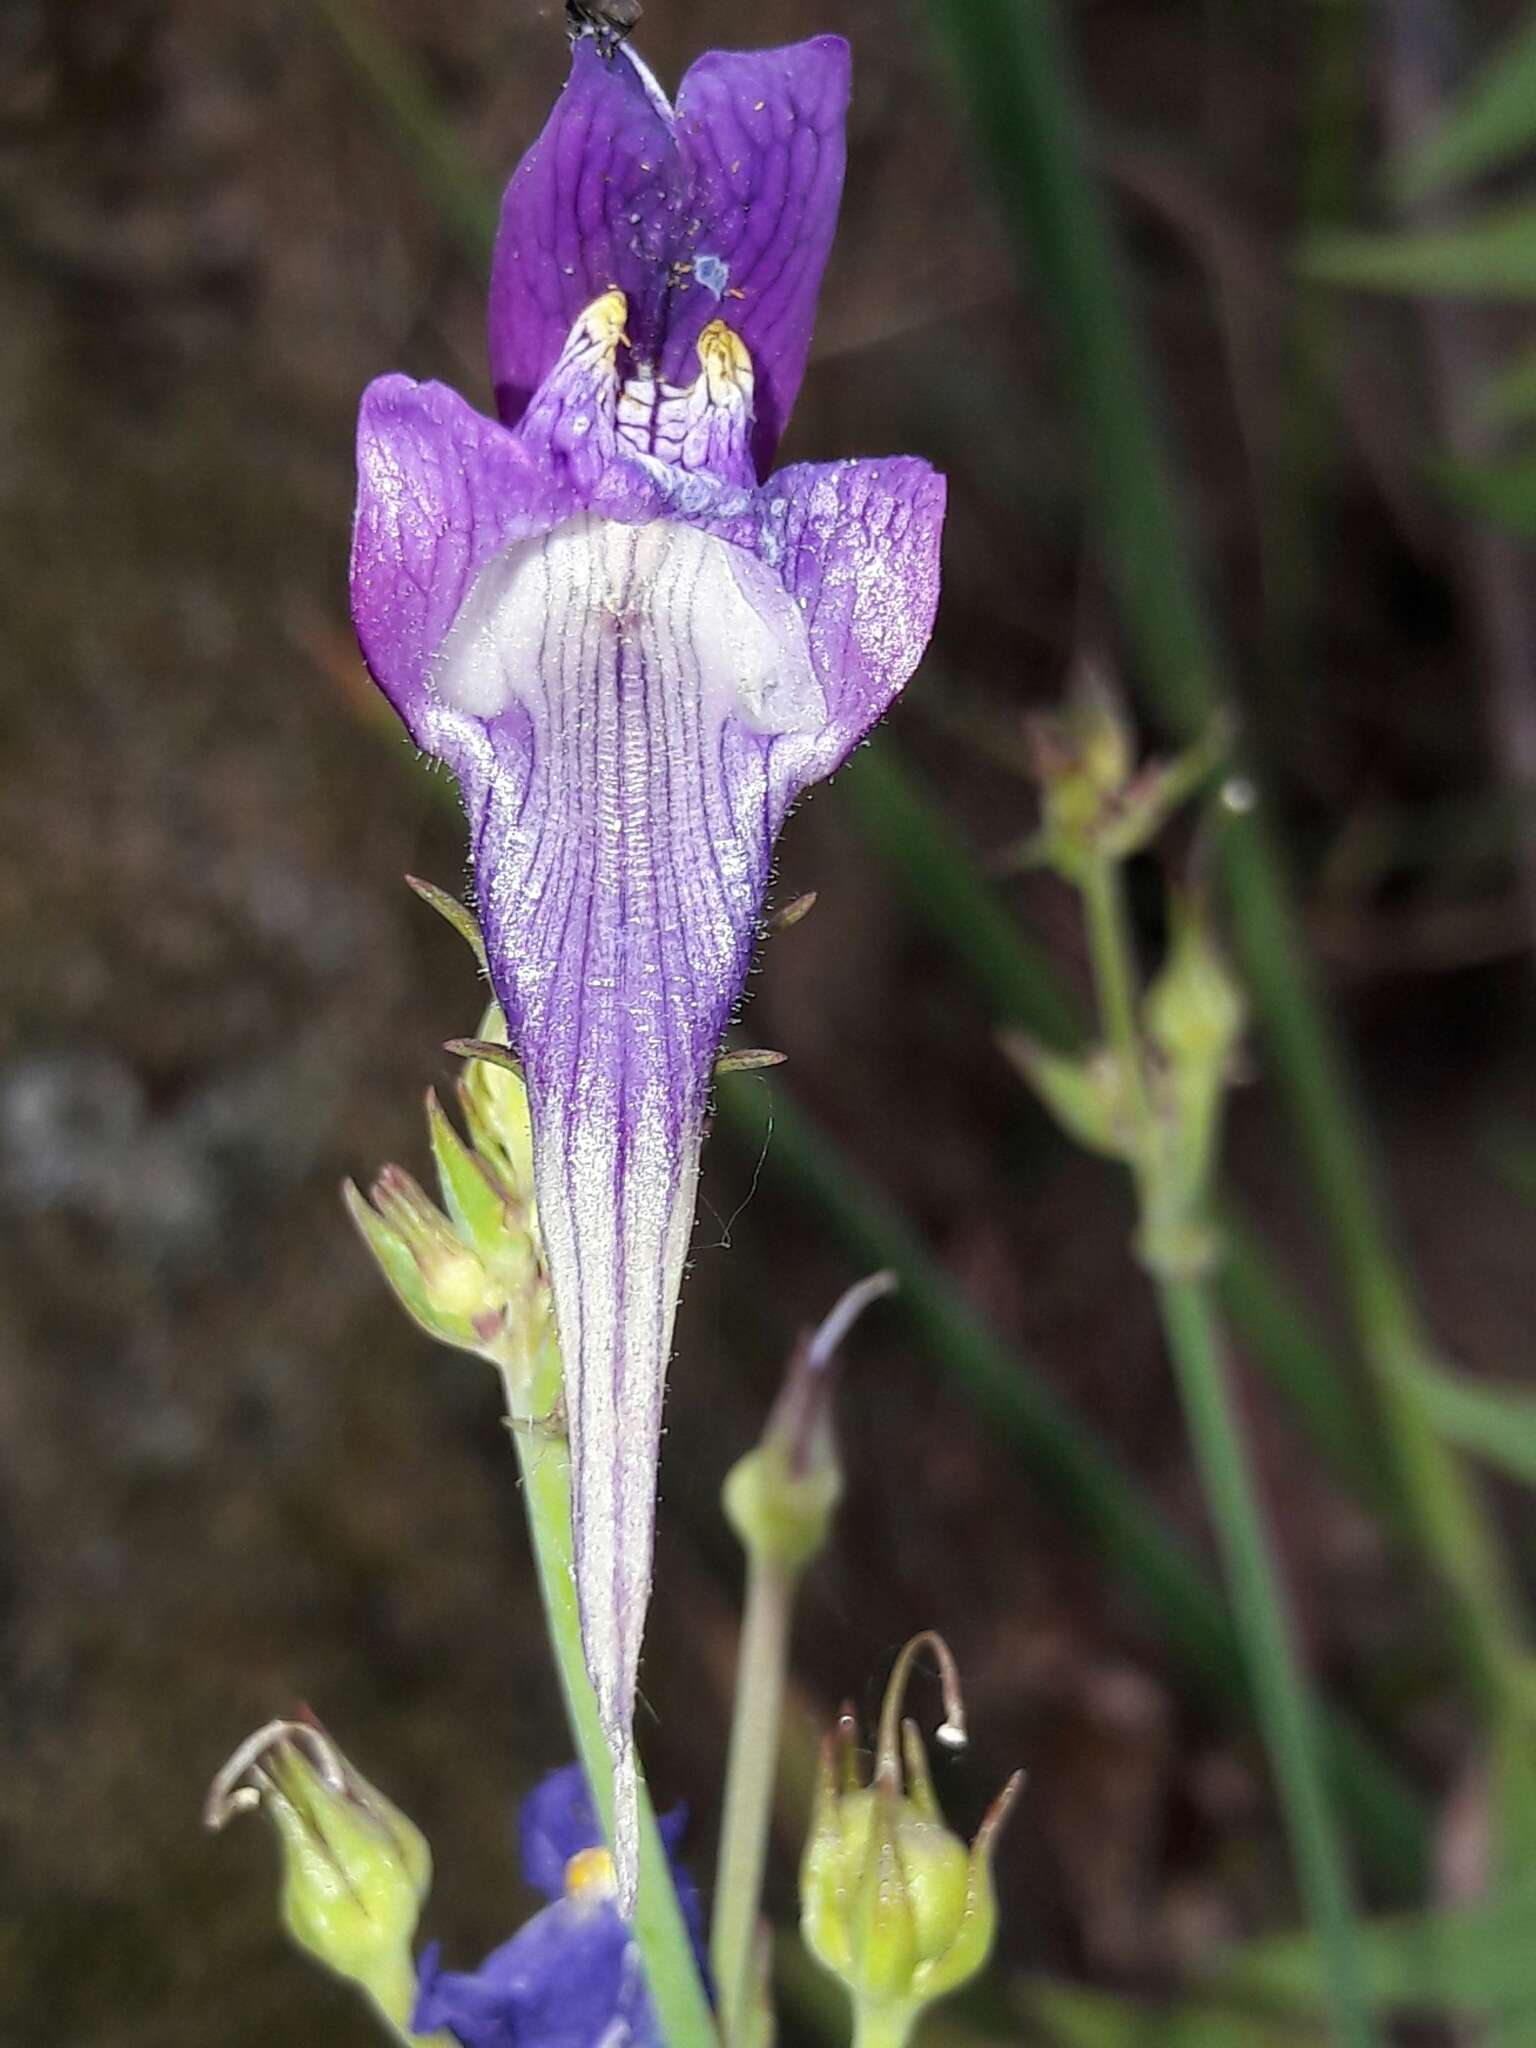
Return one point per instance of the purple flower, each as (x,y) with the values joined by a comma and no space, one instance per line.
(634,655)
(570,1978)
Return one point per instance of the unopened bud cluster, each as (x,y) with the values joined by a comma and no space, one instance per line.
(1096,802)
(892,1901)
(1157,1107)
(355,1871)
(471,1272)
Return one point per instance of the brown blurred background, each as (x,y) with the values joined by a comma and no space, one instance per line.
(231,1477)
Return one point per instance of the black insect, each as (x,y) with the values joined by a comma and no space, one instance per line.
(609,21)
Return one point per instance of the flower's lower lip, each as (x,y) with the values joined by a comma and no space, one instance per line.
(655,687)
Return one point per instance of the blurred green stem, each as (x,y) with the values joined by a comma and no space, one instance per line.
(395,2003)
(750,1776)
(1285,1706)
(1190,1321)
(1015,77)
(677,1993)
(886,2027)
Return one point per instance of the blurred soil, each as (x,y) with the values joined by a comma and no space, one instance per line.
(230,1476)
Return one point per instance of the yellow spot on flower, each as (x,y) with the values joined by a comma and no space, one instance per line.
(589,1876)
(726,364)
(602,323)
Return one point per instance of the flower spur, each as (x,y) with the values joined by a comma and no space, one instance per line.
(634,654)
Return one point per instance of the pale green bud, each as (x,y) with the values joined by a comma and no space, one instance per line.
(1195,1010)
(438,1278)
(355,1871)
(892,1902)
(477,1281)
(781,1497)
(496,1113)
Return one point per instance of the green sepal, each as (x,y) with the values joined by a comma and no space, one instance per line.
(474,1201)
(1086,1095)
(398,1261)
(453,912)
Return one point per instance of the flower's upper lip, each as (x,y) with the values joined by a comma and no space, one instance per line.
(725,205)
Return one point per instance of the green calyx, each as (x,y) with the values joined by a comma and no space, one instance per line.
(779,1513)
(355,1871)
(893,1902)
(471,1273)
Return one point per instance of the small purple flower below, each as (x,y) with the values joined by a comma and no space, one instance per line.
(635,653)
(570,1978)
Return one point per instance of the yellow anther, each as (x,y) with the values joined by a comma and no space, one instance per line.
(603,321)
(726,364)
(589,1875)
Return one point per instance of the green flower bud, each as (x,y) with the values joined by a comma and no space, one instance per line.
(355,1871)
(781,1497)
(473,1277)
(891,1901)
(1195,1010)
(1096,804)
(1194,1016)
(496,1114)
(436,1276)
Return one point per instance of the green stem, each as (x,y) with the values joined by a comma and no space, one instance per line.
(885,2026)
(1281,1695)
(1285,1707)
(750,1773)
(1114,970)
(396,2001)
(544,1456)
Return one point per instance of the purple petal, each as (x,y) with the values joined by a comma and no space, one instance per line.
(555,1822)
(857,546)
(440,490)
(761,135)
(662,682)
(569,1978)
(594,205)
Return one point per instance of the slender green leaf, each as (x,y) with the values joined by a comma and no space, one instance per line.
(410,113)
(1490,257)
(943,881)
(1491,121)
(1509,396)
(1067,2016)
(1502,492)
(1477,1959)
(1493,1422)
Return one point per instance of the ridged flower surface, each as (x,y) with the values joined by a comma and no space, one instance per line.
(635,647)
